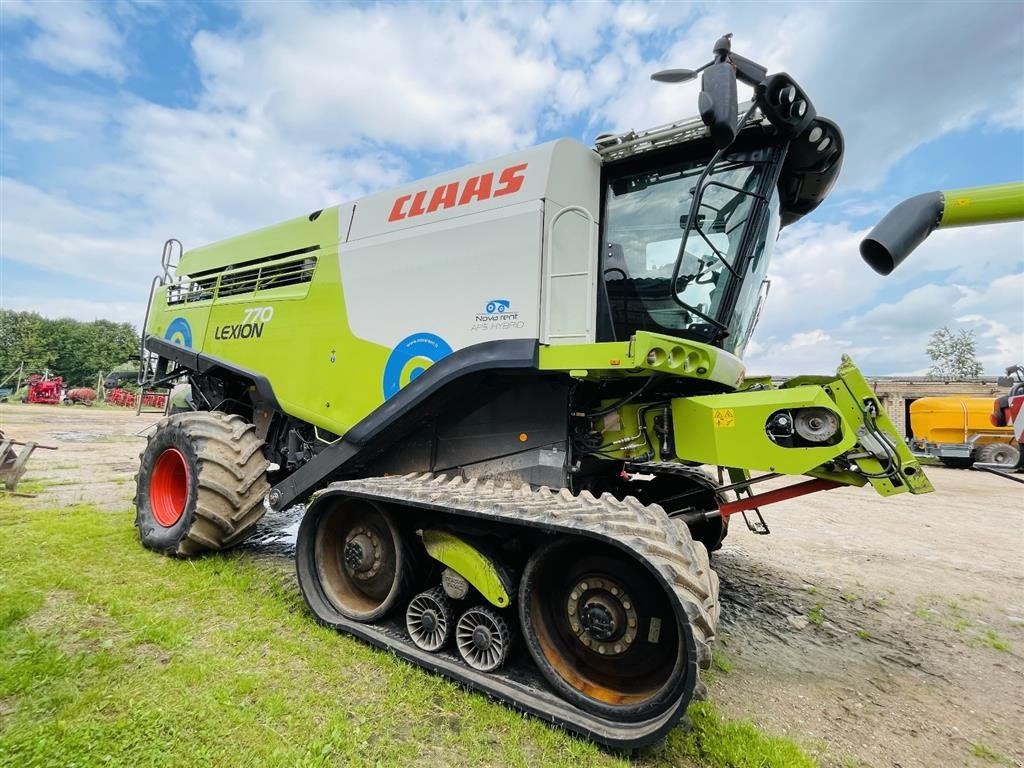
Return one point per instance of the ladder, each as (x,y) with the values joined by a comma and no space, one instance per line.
(149,390)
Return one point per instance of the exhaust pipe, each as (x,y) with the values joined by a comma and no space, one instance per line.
(908,224)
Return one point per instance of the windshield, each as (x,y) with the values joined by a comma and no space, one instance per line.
(645,215)
(754,289)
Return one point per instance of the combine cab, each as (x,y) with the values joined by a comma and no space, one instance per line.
(499,391)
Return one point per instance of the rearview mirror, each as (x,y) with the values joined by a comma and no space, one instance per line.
(718,104)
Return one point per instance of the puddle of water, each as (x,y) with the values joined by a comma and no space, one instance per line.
(276,533)
(78,437)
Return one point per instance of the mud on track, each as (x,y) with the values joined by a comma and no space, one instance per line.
(884,632)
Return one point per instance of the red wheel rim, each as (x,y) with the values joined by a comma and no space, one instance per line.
(168,487)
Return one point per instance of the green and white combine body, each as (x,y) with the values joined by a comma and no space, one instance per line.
(499,387)
(341,309)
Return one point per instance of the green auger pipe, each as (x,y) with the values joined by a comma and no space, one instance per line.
(908,224)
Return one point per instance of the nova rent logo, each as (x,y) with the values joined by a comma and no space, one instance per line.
(497,316)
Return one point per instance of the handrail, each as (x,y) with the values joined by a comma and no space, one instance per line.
(143,362)
(168,254)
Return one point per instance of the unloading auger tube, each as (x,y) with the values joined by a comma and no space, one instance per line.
(907,225)
(618,631)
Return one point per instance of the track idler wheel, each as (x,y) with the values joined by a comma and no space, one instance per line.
(483,639)
(601,629)
(351,559)
(429,620)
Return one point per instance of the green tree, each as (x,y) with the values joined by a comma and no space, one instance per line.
(65,347)
(953,355)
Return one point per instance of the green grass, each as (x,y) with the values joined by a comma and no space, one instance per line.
(951,614)
(715,743)
(111,655)
(720,662)
(31,485)
(816,615)
(983,752)
(992,639)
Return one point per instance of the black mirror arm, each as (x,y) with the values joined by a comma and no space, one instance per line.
(748,72)
(698,191)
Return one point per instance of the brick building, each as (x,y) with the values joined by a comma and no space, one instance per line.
(898,392)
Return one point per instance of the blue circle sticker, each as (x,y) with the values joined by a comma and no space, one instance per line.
(179,332)
(410,358)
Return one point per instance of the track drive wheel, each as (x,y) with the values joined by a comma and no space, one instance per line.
(352,559)
(602,630)
(201,483)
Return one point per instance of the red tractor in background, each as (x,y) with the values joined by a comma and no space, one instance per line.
(44,389)
(1007,411)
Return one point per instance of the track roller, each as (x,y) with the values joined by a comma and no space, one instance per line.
(429,620)
(483,639)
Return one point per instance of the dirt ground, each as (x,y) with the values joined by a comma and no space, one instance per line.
(876,632)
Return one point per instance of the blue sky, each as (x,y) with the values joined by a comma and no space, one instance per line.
(124,123)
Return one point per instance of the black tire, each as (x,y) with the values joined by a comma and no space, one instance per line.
(201,483)
(1003,454)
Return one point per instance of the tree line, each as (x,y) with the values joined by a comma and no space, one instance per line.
(65,347)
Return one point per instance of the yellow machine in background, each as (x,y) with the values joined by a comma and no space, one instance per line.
(958,431)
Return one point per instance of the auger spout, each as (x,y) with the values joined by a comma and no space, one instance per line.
(908,224)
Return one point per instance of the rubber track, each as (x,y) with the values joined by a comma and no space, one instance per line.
(649,535)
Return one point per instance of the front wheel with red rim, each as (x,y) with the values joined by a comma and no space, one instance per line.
(201,483)
(168,487)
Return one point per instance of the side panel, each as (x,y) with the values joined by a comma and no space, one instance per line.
(319,371)
(402,279)
(429,290)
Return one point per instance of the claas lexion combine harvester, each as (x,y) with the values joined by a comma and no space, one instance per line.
(494,390)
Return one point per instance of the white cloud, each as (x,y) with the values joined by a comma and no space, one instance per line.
(304,105)
(45,230)
(893,76)
(78,308)
(343,75)
(70,37)
(968,277)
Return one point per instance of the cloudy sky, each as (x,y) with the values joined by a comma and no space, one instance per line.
(124,123)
